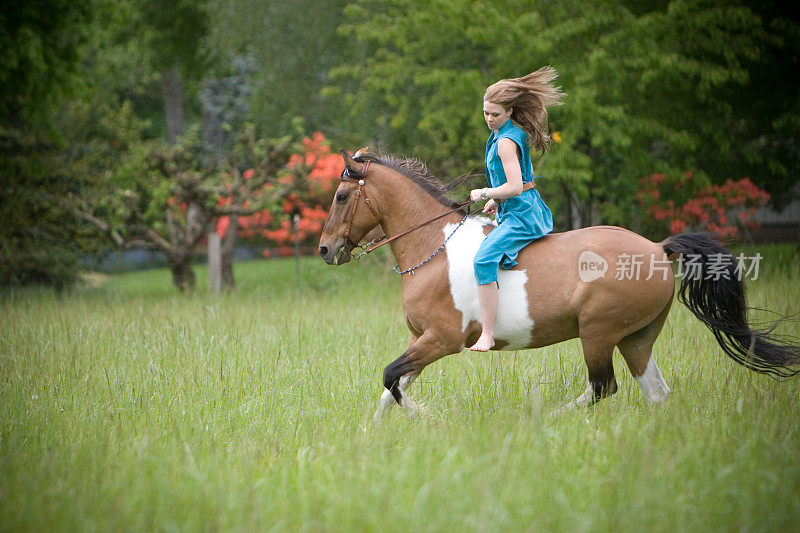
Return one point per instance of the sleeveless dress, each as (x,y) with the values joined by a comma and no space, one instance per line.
(521,219)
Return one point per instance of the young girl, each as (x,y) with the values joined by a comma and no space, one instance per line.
(521,213)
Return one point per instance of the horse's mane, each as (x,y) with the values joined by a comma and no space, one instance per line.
(416,171)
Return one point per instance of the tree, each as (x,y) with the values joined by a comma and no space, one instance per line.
(40,57)
(252,185)
(35,244)
(294,43)
(226,104)
(166,197)
(641,98)
(174,33)
(38,71)
(158,199)
(763,126)
(305,184)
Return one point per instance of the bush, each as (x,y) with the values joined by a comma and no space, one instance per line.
(35,241)
(675,203)
(313,173)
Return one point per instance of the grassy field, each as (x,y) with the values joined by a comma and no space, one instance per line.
(127,406)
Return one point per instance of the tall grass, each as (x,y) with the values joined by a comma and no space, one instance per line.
(131,407)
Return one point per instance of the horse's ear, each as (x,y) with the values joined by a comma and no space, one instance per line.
(348,160)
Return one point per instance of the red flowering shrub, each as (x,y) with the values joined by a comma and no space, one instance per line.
(674,204)
(312,175)
(322,168)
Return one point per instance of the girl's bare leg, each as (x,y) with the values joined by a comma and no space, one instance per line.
(487,295)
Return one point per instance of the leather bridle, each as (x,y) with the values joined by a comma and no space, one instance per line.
(359,193)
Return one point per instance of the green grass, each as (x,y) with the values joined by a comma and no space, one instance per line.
(131,407)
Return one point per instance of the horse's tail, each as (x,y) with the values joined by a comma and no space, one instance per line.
(717,297)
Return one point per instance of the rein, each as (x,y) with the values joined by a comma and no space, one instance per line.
(380,241)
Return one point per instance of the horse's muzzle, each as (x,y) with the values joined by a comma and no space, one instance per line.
(336,255)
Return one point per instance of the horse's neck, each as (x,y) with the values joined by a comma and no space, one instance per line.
(406,210)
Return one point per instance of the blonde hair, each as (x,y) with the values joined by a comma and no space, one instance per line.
(529,97)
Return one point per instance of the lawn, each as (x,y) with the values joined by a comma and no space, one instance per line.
(128,406)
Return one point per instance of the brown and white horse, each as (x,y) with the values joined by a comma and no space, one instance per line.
(566,285)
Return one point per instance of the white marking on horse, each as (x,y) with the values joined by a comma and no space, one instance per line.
(653,385)
(387,401)
(514,324)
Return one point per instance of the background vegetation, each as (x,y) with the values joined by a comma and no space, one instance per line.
(90,90)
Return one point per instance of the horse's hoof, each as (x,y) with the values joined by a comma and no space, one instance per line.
(564,409)
(410,407)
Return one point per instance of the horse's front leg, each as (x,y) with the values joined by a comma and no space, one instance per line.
(404,370)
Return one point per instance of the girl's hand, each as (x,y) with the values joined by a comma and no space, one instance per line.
(490,208)
(475,195)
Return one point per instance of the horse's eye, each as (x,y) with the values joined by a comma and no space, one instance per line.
(341,197)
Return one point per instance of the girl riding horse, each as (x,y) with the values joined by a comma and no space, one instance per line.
(435,241)
(522,215)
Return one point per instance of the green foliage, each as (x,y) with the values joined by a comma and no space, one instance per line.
(36,246)
(294,43)
(118,66)
(648,88)
(106,150)
(174,33)
(38,66)
(68,123)
(41,242)
(226,102)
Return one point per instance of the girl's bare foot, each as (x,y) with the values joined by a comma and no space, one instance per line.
(484,343)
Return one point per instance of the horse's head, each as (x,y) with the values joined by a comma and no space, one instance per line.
(351,215)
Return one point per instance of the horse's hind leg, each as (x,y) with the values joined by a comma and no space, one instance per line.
(387,399)
(637,349)
(598,353)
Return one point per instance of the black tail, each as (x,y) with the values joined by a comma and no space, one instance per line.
(720,304)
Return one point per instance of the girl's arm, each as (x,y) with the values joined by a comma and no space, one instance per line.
(507,150)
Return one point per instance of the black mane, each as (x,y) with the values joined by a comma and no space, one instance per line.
(416,171)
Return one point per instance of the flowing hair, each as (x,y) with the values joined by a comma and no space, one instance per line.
(529,97)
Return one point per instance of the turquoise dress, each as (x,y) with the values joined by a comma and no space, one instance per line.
(521,219)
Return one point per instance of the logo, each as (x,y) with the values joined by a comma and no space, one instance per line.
(591,266)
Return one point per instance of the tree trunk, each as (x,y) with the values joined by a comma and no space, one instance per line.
(572,208)
(566,196)
(172,88)
(228,247)
(587,211)
(214,252)
(183,241)
(180,264)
